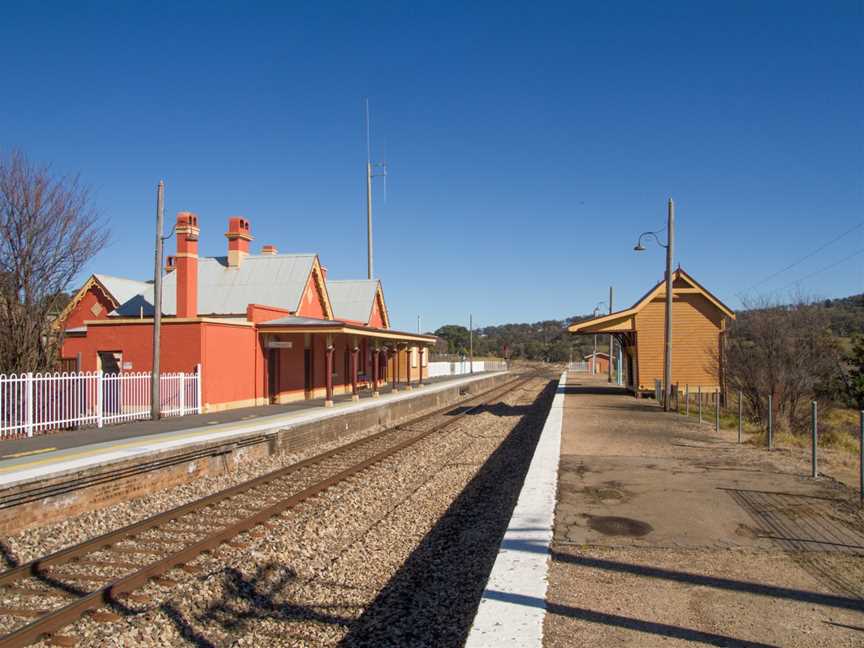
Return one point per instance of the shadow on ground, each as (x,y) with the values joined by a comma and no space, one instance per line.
(432,599)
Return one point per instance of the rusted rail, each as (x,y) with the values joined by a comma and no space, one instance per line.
(149,548)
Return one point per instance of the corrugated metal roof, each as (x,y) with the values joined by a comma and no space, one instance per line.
(293,320)
(352,299)
(122,289)
(272,280)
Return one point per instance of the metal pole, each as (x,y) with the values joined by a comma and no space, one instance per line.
(471,342)
(699,398)
(594,357)
(667,361)
(861,456)
(687,400)
(611,339)
(814,440)
(770,422)
(157,303)
(740,415)
(368,197)
(717,411)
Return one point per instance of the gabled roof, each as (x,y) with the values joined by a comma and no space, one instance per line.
(613,319)
(272,279)
(122,289)
(117,289)
(354,299)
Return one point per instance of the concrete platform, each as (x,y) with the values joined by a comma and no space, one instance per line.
(666,532)
(62,474)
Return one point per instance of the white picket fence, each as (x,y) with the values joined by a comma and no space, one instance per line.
(580,366)
(464,367)
(40,403)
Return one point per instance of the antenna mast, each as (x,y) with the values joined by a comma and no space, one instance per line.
(369,176)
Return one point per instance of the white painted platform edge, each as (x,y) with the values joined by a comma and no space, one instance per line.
(149,444)
(513,605)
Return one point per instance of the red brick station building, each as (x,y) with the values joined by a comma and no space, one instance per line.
(265,328)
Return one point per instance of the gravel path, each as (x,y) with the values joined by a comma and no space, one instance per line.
(396,556)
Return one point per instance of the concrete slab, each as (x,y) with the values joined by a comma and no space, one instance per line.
(667,532)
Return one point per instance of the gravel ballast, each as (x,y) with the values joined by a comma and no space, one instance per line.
(397,555)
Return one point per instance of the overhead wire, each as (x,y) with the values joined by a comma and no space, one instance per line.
(807,256)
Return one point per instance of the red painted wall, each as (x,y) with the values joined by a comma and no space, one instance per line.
(377,318)
(258,313)
(234,364)
(180,347)
(82,311)
(291,365)
(312,302)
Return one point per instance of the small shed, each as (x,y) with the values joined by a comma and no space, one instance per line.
(598,363)
(699,321)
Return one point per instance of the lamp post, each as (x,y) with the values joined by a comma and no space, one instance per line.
(669,245)
(594,356)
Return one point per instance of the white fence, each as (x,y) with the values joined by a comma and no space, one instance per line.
(41,403)
(580,366)
(464,367)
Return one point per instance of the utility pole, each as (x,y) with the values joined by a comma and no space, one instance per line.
(368,196)
(157,302)
(370,166)
(667,360)
(418,324)
(611,338)
(471,341)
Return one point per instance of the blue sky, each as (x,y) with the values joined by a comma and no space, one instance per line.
(528,144)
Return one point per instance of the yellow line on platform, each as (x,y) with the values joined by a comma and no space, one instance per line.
(27,452)
(89,453)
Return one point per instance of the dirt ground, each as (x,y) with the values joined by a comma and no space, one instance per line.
(667,533)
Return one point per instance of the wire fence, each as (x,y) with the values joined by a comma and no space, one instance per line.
(710,406)
(41,403)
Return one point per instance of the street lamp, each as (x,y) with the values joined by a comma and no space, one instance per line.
(669,245)
(594,356)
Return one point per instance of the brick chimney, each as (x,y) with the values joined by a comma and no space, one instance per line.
(186,262)
(269,249)
(238,236)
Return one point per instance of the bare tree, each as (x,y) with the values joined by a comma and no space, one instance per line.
(48,232)
(785,351)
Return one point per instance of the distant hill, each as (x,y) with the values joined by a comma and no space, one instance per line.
(548,340)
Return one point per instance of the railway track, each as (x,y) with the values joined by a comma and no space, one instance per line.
(39,598)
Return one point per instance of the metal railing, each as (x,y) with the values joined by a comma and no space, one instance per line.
(579,366)
(36,403)
(461,368)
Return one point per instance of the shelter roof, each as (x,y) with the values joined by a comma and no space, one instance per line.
(618,320)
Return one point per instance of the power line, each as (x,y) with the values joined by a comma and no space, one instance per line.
(805,257)
(833,265)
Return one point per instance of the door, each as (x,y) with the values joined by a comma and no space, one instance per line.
(112,394)
(308,372)
(273,375)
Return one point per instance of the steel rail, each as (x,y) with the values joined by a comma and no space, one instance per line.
(47,624)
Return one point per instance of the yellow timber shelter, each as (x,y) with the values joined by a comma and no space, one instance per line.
(699,321)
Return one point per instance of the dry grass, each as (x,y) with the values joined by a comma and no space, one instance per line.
(838,429)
